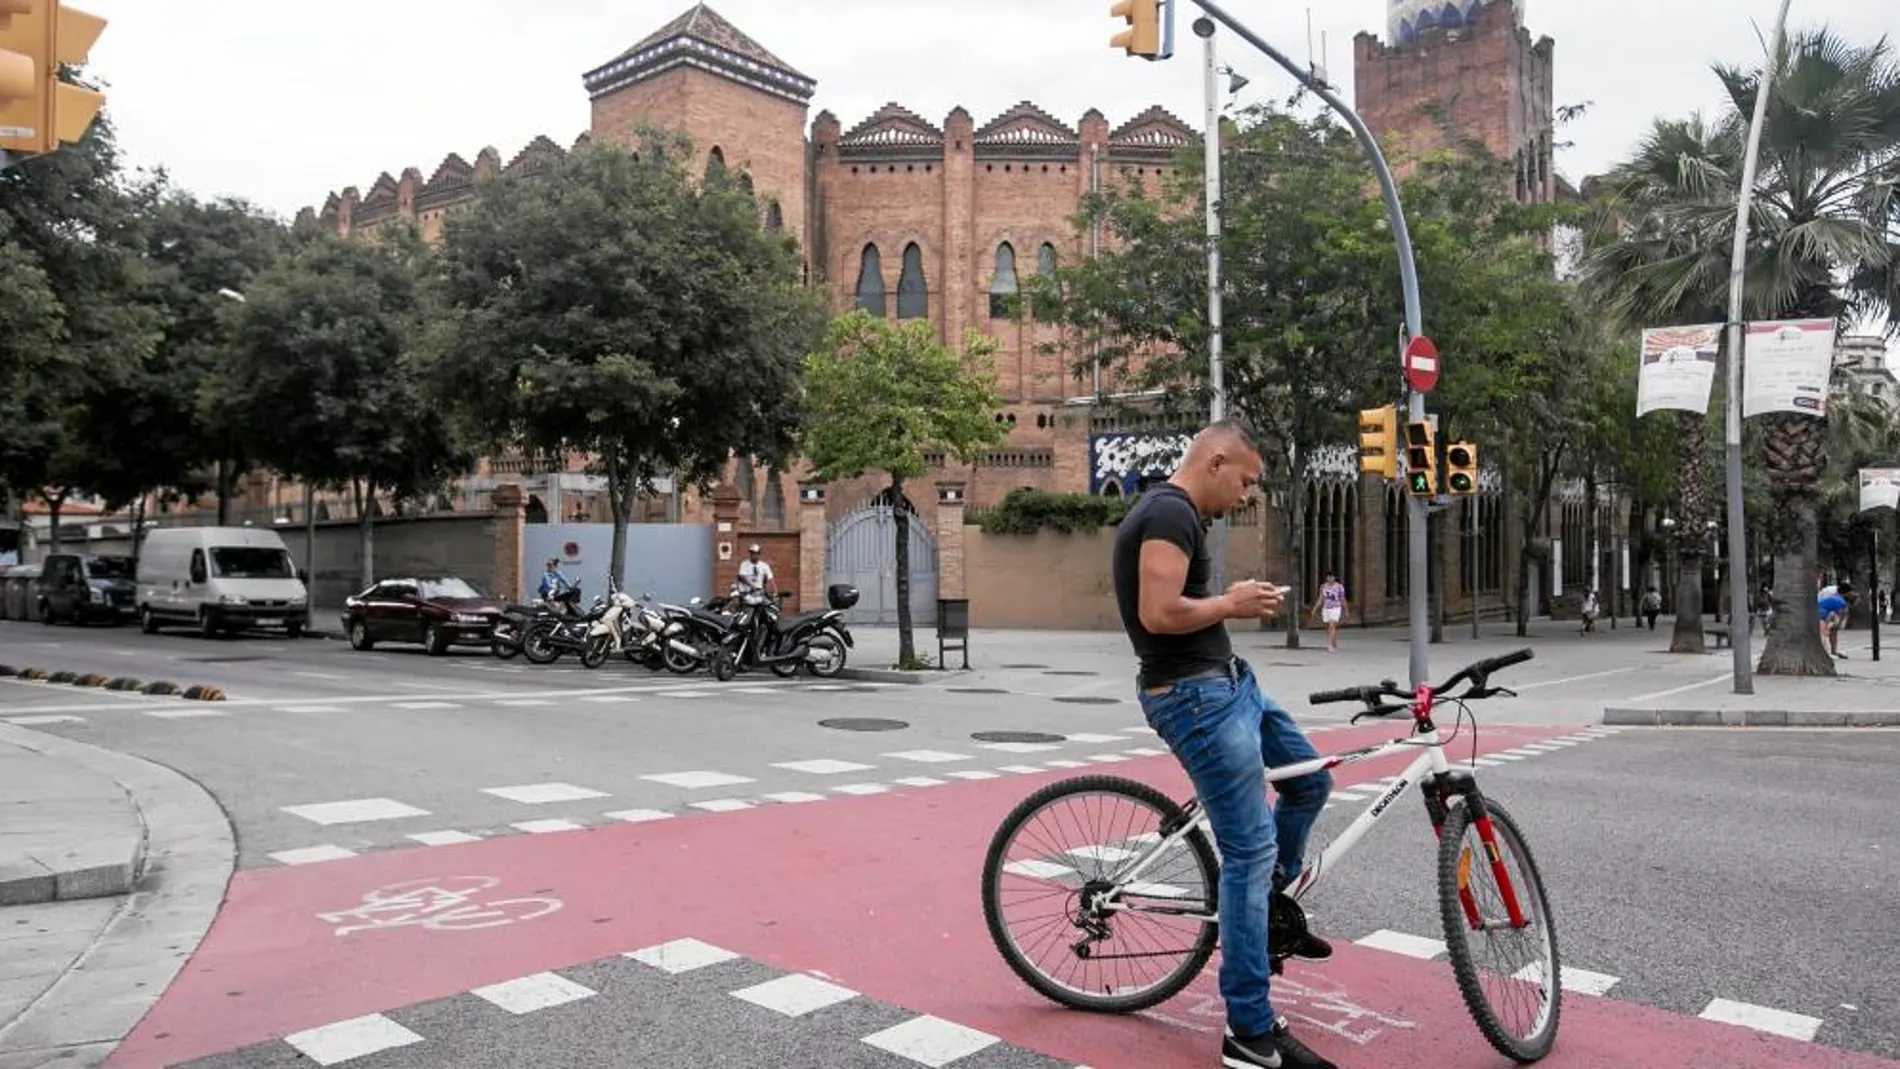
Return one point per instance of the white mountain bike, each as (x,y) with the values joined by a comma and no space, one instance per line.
(1120,881)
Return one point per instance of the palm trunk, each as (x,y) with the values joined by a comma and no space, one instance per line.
(906,650)
(1691,532)
(1795,456)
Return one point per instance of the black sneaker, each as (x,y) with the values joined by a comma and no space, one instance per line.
(1288,934)
(1275,1050)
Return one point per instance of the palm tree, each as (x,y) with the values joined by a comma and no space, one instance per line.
(1821,245)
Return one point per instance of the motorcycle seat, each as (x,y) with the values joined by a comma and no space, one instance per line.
(793,623)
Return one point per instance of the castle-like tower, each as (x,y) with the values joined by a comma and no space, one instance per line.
(1474,62)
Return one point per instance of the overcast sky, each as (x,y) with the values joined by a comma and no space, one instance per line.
(284,101)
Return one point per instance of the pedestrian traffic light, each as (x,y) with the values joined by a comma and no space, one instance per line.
(1379,442)
(1421,460)
(1150,32)
(1461,468)
(38,111)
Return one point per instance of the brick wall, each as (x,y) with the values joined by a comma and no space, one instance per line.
(780,549)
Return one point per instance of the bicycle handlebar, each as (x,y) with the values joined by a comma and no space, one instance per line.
(1478,672)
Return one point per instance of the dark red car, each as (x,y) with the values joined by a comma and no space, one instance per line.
(438,612)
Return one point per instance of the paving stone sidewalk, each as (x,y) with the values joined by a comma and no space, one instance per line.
(66,832)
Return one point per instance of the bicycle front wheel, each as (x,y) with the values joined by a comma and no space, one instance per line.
(1067,919)
(1509,975)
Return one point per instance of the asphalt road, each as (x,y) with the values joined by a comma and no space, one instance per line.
(1757,867)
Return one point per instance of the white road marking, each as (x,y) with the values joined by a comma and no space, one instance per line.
(354,1038)
(358,809)
(30,721)
(683,693)
(535,992)
(793,797)
(923,781)
(321,675)
(930,1041)
(426,705)
(605,699)
(444,838)
(354,699)
(1147,751)
(1108,758)
(1581,981)
(1102,853)
(542,793)
(308,709)
(524,701)
(638,816)
(681,955)
(1761,1018)
(310,854)
(1038,870)
(1094,737)
(1019,747)
(697,779)
(545,827)
(722,805)
(1711,681)
(408,685)
(929,756)
(861,788)
(1024,769)
(1573,679)
(1064,762)
(974,773)
(1412,946)
(822,766)
(795,995)
(189,711)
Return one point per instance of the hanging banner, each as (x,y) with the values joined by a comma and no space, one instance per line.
(1786,365)
(1678,368)
(1879,488)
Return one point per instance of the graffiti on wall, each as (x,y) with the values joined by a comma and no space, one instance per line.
(1119,462)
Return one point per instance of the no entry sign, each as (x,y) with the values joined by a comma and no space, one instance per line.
(1421,364)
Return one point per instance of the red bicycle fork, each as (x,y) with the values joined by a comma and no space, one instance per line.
(1487,834)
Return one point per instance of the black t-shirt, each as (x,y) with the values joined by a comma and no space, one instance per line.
(1165,512)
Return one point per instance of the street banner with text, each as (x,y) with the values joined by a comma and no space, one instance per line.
(1879,488)
(1678,368)
(1786,367)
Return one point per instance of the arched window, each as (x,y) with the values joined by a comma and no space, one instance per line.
(871,281)
(715,164)
(913,299)
(1046,259)
(1003,284)
(774,219)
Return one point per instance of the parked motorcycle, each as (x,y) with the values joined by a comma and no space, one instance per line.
(630,627)
(693,634)
(817,641)
(512,627)
(550,636)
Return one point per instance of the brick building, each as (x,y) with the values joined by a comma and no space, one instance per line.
(911,217)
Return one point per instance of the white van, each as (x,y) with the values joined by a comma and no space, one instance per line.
(220,579)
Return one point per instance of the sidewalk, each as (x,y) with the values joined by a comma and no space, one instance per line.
(111,871)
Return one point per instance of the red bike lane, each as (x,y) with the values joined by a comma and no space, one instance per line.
(880,894)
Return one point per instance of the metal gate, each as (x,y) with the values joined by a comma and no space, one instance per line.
(862,550)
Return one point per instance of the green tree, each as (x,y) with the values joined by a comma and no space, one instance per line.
(614,307)
(1821,214)
(70,284)
(320,382)
(881,396)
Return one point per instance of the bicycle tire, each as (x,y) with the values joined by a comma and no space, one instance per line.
(1168,811)
(1458,935)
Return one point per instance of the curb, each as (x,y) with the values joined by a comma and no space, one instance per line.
(881,675)
(1750,718)
(197,692)
(189,857)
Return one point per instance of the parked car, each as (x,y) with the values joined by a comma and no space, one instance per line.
(439,612)
(220,579)
(84,587)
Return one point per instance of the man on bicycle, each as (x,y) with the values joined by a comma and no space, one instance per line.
(1206,704)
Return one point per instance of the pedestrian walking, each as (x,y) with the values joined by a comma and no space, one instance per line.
(1330,608)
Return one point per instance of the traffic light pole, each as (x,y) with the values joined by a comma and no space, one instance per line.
(1415,512)
(1217,406)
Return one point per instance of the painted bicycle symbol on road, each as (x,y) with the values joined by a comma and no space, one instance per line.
(443,904)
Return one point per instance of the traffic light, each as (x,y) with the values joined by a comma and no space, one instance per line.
(1379,441)
(1461,468)
(1150,32)
(38,111)
(1421,460)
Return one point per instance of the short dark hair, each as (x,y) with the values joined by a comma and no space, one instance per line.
(1239,430)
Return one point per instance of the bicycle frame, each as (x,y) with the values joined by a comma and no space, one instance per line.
(1431,765)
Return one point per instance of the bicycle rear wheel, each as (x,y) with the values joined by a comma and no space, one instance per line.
(1055,863)
(1509,976)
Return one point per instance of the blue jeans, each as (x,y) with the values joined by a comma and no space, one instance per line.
(1225,733)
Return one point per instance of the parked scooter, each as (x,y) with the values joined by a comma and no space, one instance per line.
(816,641)
(693,634)
(550,636)
(627,626)
(512,627)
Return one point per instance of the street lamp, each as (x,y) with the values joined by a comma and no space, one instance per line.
(1217,407)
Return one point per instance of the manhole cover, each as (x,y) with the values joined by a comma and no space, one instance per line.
(1071,672)
(1015,736)
(975,690)
(1089,700)
(225,660)
(1025,666)
(863,723)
